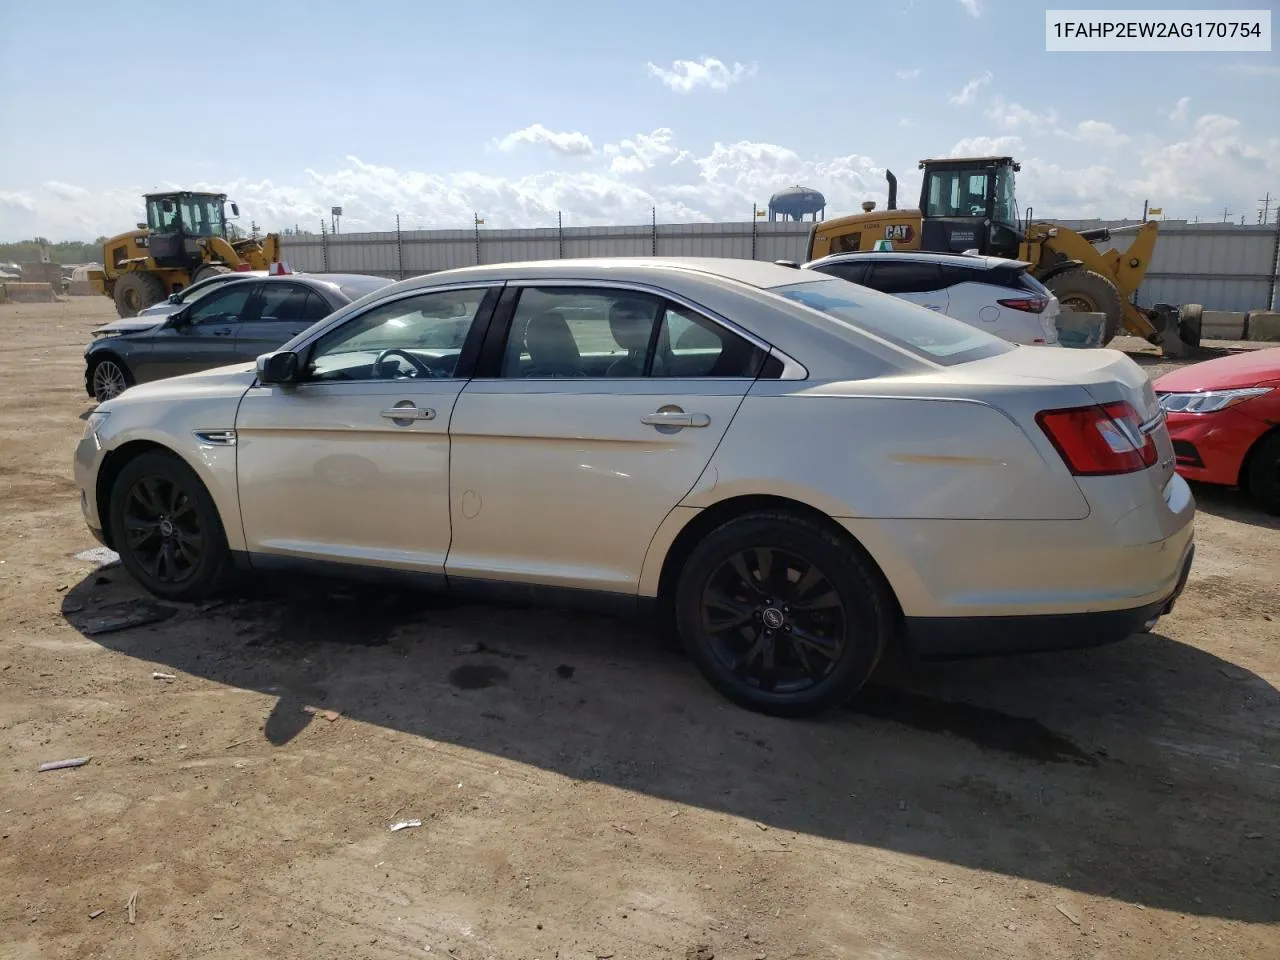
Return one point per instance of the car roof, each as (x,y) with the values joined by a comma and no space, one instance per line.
(975,261)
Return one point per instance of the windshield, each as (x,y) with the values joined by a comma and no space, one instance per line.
(957,193)
(938,339)
(197,216)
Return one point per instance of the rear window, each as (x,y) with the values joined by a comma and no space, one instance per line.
(356,287)
(931,336)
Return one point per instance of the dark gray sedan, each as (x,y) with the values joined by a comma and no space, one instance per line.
(237,322)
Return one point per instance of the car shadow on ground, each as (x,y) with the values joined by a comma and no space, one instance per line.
(1231,503)
(1144,771)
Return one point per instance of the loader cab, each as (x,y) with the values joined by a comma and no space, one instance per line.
(179,221)
(969,203)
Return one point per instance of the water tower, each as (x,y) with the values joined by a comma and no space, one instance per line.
(795,203)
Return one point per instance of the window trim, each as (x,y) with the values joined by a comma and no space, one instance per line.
(489,367)
(467,357)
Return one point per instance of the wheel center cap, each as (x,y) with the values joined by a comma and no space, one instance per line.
(166,527)
(772,618)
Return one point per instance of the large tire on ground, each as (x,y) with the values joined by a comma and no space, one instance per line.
(166,528)
(1263,473)
(206,270)
(1089,292)
(1190,322)
(136,291)
(109,376)
(781,615)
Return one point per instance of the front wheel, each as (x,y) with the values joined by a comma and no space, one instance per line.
(1264,474)
(781,615)
(109,377)
(166,528)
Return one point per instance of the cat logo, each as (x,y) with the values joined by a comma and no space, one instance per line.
(899,232)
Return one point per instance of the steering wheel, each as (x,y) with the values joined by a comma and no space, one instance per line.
(421,368)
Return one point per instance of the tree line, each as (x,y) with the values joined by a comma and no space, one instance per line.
(65,251)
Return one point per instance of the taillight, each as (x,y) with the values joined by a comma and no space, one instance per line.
(1099,440)
(1028,304)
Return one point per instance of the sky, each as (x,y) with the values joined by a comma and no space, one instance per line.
(515,112)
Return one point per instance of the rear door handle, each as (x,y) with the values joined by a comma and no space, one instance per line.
(676,418)
(407,412)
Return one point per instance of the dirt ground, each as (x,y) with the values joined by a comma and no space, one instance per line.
(582,792)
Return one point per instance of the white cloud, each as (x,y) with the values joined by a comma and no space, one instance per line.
(571,144)
(1014,116)
(1100,133)
(1179,112)
(1215,163)
(972,7)
(685,75)
(909,74)
(970,90)
(905,122)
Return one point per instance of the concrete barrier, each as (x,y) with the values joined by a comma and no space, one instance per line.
(1077,328)
(82,288)
(29,292)
(1222,325)
(1263,325)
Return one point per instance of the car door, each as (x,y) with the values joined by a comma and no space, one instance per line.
(351,463)
(200,336)
(918,281)
(282,310)
(585,425)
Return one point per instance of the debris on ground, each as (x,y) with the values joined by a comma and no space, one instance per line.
(96,914)
(700,952)
(157,675)
(330,715)
(468,648)
(405,825)
(64,764)
(132,906)
(61,587)
(103,556)
(137,614)
(1067,913)
(1253,836)
(564,672)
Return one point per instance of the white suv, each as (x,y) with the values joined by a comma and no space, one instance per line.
(991,293)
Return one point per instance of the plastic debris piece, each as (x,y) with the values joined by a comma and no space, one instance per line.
(132,907)
(135,615)
(405,825)
(96,914)
(1063,910)
(157,675)
(64,764)
(99,555)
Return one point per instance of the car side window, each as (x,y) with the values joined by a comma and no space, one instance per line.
(904,276)
(222,305)
(853,272)
(579,332)
(283,301)
(691,345)
(953,276)
(413,337)
(316,307)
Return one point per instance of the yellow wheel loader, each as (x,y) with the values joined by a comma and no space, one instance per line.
(967,204)
(185,239)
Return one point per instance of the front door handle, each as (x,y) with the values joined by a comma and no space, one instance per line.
(675,417)
(406,411)
(223,332)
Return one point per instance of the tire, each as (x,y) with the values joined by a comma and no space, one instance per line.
(856,622)
(1263,473)
(1090,292)
(136,291)
(155,488)
(207,270)
(1190,322)
(109,376)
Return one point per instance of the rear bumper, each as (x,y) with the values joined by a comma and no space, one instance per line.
(940,638)
(1210,447)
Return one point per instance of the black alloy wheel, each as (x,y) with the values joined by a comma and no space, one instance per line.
(783,615)
(166,529)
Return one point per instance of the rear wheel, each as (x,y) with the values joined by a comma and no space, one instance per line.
(166,528)
(135,291)
(781,615)
(1190,321)
(1264,473)
(206,270)
(109,377)
(1089,292)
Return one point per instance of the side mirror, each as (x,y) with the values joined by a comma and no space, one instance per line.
(235,209)
(141,226)
(175,298)
(179,320)
(278,367)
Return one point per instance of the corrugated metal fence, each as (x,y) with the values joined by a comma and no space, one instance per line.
(1223,266)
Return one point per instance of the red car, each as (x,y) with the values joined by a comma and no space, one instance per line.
(1224,417)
